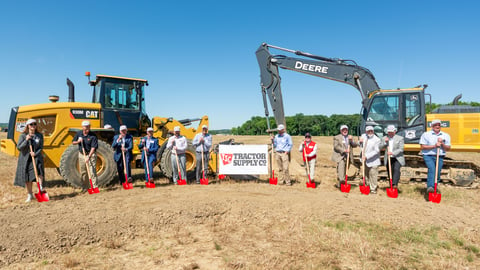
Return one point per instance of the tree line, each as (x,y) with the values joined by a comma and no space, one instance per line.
(299,124)
(317,125)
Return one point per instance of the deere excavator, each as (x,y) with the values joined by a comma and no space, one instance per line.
(116,101)
(404,108)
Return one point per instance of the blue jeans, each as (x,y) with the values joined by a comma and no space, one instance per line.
(151,160)
(430,162)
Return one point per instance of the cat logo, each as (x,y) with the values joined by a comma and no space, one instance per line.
(410,134)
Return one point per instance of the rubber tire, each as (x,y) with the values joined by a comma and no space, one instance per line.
(106,166)
(166,164)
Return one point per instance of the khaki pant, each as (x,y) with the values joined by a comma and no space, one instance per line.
(311,167)
(371,177)
(283,162)
(92,162)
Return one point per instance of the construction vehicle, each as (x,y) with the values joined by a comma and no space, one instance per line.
(116,101)
(404,108)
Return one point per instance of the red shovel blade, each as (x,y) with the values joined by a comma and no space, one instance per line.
(127,185)
(345,187)
(41,196)
(392,192)
(182,182)
(311,185)
(221,176)
(150,184)
(91,191)
(434,197)
(273,181)
(364,189)
(203,181)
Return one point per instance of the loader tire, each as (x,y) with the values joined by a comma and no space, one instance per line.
(166,164)
(106,167)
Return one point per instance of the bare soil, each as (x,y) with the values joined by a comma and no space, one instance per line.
(239,224)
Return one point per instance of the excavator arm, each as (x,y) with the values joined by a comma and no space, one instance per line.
(345,71)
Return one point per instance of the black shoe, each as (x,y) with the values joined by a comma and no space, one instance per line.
(430,190)
(130,180)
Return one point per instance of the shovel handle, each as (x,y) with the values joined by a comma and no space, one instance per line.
(436,168)
(34,165)
(146,163)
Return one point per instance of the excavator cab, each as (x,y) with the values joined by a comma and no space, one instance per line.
(123,102)
(403,108)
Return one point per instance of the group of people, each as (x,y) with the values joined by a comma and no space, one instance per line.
(30,146)
(434,143)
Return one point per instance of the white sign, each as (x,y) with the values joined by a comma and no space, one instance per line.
(243,159)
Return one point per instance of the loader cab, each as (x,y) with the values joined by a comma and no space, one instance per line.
(403,108)
(123,102)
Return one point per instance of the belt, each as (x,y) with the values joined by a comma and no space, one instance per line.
(281,152)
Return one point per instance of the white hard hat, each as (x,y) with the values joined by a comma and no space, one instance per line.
(343,127)
(391,128)
(149,129)
(280,127)
(368,128)
(123,127)
(436,121)
(85,123)
(204,126)
(107,126)
(176,128)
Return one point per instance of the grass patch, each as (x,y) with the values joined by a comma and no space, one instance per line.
(217,246)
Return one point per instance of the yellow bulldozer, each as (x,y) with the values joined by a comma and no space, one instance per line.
(116,101)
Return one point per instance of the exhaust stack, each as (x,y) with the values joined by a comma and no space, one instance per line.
(71,91)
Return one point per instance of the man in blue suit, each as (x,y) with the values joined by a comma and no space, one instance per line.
(150,145)
(123,142)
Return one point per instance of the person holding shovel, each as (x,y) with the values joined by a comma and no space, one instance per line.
(309,153)
(123,142)
(87,143)
(178,145)
(371,157)
(202,144)
(282,142)
(25,174)
(394,148)
(431,142)
(342,146)
(149,144)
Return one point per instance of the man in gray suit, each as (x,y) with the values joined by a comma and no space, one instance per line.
(340,152)
(394,145)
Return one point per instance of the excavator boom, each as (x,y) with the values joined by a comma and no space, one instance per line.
(345,71)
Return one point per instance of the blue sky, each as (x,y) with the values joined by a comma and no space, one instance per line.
(199,56)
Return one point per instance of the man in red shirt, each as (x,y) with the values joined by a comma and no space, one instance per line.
(310,154)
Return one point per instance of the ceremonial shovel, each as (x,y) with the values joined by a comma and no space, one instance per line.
(126,184)
(435,197)
(391,192)
(310,184)
(180,181)
(149,183)
(41,196)
(346,187)
(364,189)
(91,190)
(203,180)
(273,179)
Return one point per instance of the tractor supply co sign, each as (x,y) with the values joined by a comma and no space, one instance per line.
(243,159)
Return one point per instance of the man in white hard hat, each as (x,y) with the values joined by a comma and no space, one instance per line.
(87,143)
(202,142)
(178,145)
(149,145)
(123,142)
(394,148)
(431,142)
(282,142)
(371,157)
(342,145)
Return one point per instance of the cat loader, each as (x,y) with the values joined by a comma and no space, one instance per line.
(116,101)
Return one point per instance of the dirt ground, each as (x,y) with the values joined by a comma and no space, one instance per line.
(239,224)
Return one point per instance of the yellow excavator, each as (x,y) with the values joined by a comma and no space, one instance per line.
(404,108)
(116,101)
